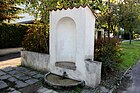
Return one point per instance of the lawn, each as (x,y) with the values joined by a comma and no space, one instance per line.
(131,54)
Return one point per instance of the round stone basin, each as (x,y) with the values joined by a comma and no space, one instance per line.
(57,81)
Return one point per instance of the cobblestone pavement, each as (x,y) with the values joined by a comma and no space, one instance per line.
(25,80)
(21,80)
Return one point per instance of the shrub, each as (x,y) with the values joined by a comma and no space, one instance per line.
(11,35)
(109,53)
(36,39)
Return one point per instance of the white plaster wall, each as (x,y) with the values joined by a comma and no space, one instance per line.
(83,25)
(74,14)
(90,32)
(66,40)
(38,61)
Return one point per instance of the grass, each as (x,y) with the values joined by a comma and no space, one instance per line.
(131,54)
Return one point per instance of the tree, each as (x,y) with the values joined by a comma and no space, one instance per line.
(40,8)
(9,10)
(111,13)
(129,16)
(108,18)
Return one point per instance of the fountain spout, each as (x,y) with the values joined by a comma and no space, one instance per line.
(64,75)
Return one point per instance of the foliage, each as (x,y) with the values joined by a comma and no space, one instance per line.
(11,35)
(129,12)
(36,40)
(112,12)
(120,14)
(9,10)
(109,53)
(108,17)
(131,54)
(41,8)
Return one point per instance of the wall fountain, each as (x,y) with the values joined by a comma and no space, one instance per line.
(72,48)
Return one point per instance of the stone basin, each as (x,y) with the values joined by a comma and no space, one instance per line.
(57,81)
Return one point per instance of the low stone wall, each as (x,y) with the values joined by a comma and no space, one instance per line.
(35,60)
(93,73)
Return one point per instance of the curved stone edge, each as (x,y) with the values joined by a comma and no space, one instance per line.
(80,83)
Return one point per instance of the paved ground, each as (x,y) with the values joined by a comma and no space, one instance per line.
(15,79)
(10,62)
(10,57)
(131,83)
(21,80)
(9,50)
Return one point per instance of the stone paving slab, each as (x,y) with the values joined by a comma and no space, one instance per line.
(23,78)
(20,84)
(5,77)
(54,92)
(41,90)
(18,75)
(2,73)
(22,69)
(32,81)
(3,85)
(31,73)
(45,90)
(12,79)
(12,90)
(13,72)
(15,91)
(38,76)
(8,69)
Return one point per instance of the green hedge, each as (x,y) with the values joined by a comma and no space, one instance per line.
(11,35)
(37,39)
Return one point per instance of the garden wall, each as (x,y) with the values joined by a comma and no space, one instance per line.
(35,60)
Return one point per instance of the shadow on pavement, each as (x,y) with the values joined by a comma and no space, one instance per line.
(19,80)
(9,56)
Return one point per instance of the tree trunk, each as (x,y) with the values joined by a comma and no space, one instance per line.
(109,27)
(130,37)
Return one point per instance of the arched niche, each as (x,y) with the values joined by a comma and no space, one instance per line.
(66,40)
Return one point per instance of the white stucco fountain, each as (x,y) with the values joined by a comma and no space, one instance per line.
(72,45)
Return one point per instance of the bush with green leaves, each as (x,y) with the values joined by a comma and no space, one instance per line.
(11,35)
(108,52)
(36,39)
